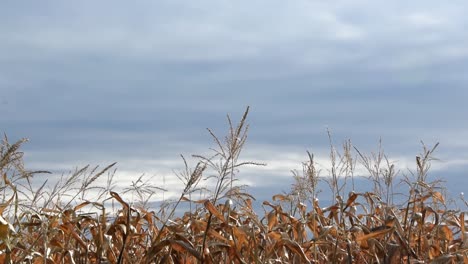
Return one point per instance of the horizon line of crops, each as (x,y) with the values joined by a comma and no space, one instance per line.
(39,224)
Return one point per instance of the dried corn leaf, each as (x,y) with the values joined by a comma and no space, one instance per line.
(5,179)
(444,233)
(436,215)
(69,229)
(443,259)
(123,228)
(272,220)
(377,233)
(240,235)
(296,248)
(434,251)
(81,205)
(156,249)
(199,225)
(312,224)
(463,229)
(275,236)
(213,233)
(212,209)
(119,199)
(269,204)
(438,196)
(302,208)
(248,203)
(351,199)
(3,206)
(281,197)
(183,247)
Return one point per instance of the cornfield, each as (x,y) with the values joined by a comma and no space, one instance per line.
(39,226)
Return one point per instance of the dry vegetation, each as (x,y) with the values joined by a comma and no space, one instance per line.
(41,225)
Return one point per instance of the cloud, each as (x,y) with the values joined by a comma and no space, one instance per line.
(227,42)
(111,81)
(425,20)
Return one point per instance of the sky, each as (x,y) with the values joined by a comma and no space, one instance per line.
(96,82)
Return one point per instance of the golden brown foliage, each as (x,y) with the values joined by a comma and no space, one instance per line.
(362,228)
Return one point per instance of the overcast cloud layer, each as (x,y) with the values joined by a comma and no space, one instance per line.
(103,81)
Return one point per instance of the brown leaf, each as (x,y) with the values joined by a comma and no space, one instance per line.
(240,235)
(280,197)
(269,204)
(351,199)
(248,203)
(69,229)
(276,236)
(119,199)
(462,222)
(444,233)
(5,179)
(5,228)
(294,247)
(5,205)
(182,247)
(272,220)
(438,196)
(302,208)
(210,207)
(81,205)
(374,234)
(215,234)
(200,201)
